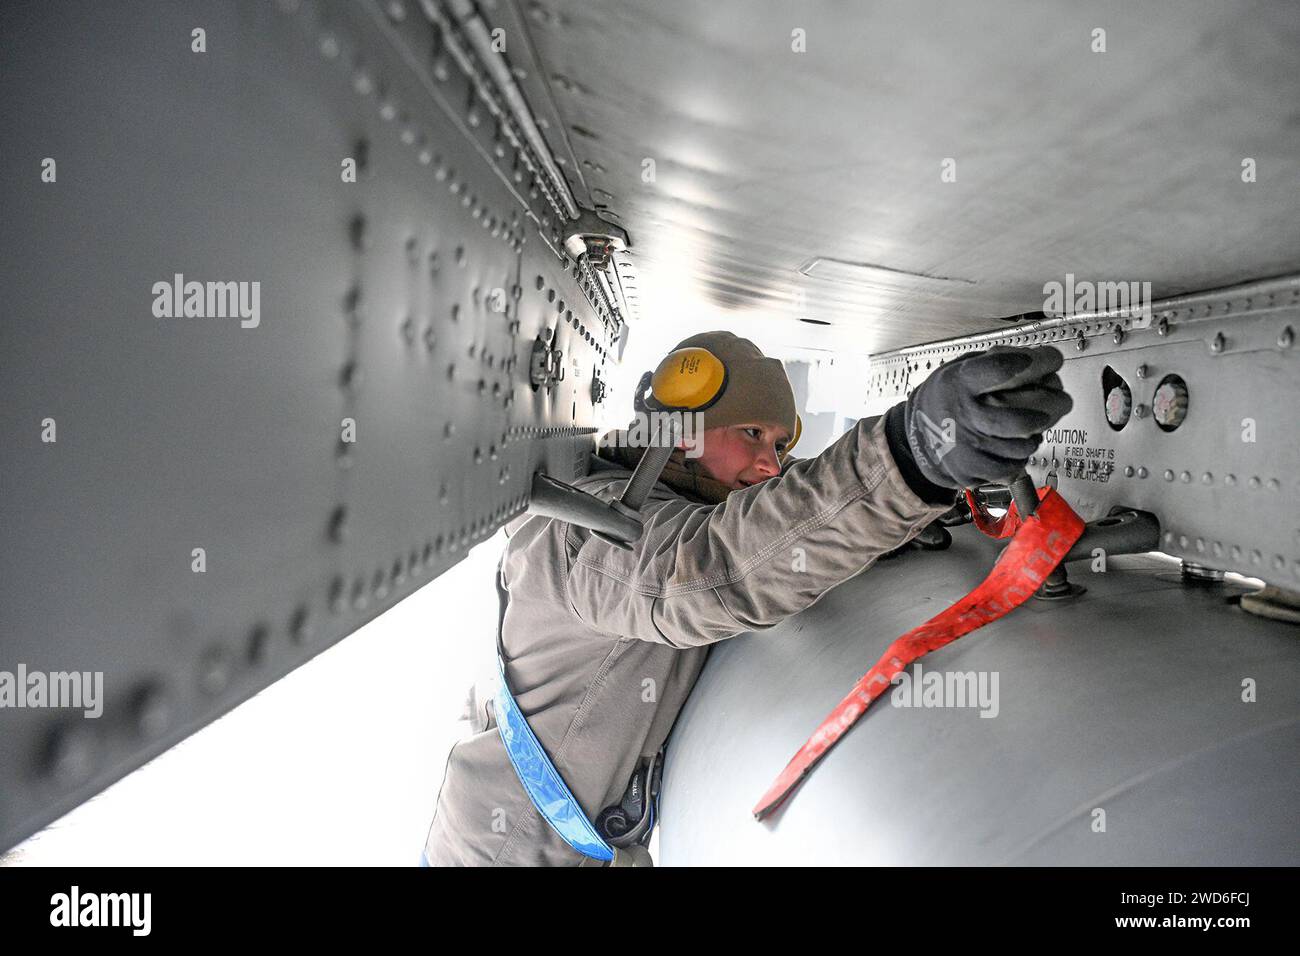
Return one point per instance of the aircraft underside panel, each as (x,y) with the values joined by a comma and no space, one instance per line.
(197,498)
(1188,412)
(898,172)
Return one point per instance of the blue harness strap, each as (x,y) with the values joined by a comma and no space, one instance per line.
(546,788)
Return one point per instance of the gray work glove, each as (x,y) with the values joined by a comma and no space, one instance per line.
(979,417)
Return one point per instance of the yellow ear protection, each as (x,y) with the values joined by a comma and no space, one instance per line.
(688,380)
(691,380)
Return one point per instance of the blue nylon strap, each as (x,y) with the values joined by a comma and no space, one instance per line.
(546,788)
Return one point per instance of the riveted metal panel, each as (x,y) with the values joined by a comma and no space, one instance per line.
(1226,481)
(328,458)
(942,159)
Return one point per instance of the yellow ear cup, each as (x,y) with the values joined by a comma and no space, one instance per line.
(690,379)
(794,440)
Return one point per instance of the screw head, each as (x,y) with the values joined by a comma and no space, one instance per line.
(338,526)
(150,711)
(71,754)
(214,670)
(301,628)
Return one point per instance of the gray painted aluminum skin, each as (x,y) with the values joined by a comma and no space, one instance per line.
(1126,700)
(1224,482)
(407,302)
(809,183)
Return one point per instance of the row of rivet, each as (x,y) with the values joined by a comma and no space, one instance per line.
(1235,552)
(550,431)
(364,84)
(514,236)
(1285,339)
(72,749)
(1248,304)
(1141,471)
(483,92)
(417,563)
(71,752)
(570,319)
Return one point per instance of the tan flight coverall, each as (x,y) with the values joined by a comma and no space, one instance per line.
(602,645)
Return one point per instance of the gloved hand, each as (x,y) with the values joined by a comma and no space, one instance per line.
(979,417)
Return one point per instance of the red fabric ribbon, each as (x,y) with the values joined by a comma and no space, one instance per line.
(1038,545)
(1003,527)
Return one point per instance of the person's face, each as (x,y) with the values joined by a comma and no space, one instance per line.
(742,455)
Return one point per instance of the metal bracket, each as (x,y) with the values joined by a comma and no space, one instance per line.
(546,367)
(594,238)
(617,522)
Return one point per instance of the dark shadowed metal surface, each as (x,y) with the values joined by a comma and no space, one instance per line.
(406,303)
(1127,699)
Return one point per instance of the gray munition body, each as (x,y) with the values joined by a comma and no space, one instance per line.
(1127,699)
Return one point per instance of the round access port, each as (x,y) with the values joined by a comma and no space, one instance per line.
(1169,407)
(1119,406)
(1117,397)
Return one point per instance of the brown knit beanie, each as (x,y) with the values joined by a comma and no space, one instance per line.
(757,387)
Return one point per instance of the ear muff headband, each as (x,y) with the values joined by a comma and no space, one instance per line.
(798,431)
